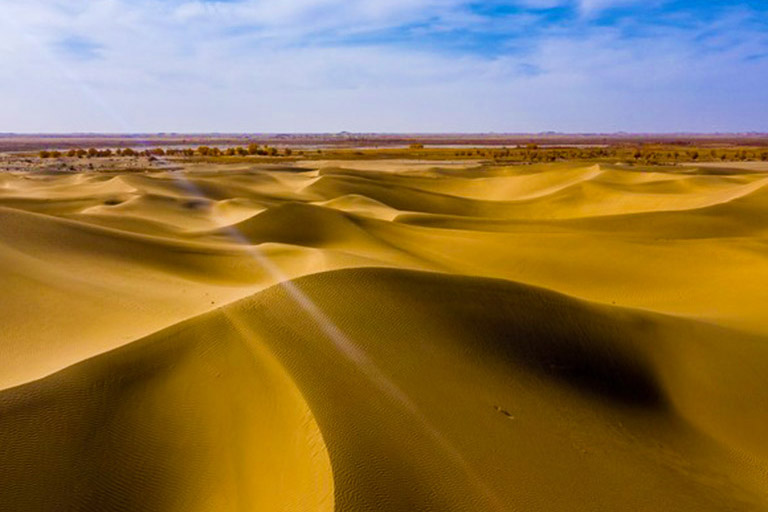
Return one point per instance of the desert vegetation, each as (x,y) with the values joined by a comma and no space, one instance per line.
(520,154)
(534,153)
(200,151)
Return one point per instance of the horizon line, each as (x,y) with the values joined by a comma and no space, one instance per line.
(385,134)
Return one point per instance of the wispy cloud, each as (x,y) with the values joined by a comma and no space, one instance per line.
(433,65)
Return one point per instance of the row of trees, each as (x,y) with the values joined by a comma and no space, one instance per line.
(252,149)
(80,153)
(649,155)
(530,153)
(100,153)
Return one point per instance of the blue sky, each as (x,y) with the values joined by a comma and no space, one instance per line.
(383,66)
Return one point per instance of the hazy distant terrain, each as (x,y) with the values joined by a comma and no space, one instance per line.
(304,334)
(27,142)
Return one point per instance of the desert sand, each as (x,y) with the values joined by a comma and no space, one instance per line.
(385,336)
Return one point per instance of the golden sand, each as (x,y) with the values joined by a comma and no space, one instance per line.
(385,336)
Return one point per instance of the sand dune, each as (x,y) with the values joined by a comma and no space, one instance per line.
(384,336)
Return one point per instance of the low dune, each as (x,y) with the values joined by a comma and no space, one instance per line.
(384,336)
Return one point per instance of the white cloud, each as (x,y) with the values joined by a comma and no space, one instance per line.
(260,66)
(589,7)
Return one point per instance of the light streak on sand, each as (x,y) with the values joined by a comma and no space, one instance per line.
(345,347)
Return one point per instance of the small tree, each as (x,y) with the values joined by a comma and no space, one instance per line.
(92,152)
(45,154)
(253,148)
(204,150)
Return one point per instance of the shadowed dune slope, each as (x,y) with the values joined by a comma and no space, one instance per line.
(432,392)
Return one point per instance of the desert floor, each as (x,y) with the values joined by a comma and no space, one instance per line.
(384,336)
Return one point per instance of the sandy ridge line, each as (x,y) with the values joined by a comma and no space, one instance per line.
(181,324)
(202,247)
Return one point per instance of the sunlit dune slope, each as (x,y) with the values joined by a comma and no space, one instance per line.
(384,336)
(194,418)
